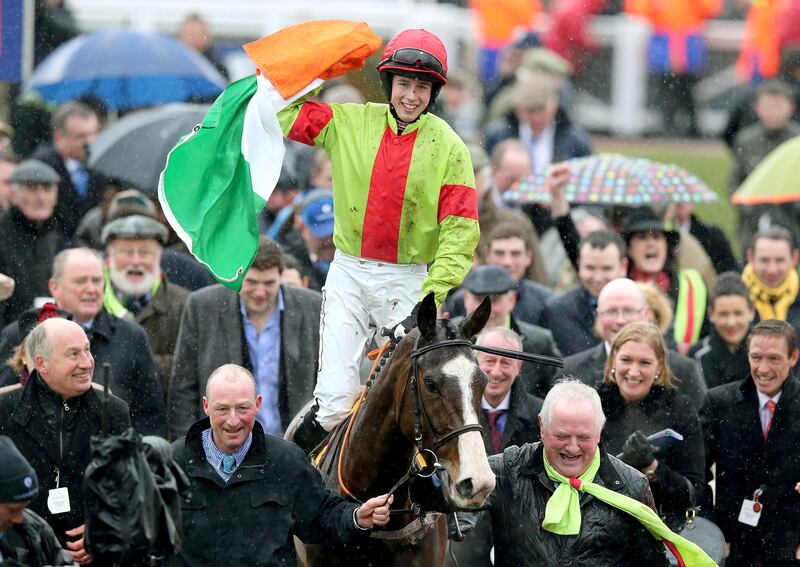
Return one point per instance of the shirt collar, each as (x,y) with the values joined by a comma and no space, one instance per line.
(527,137)
(504,405)
(763,399)
(72,165)
(215,456)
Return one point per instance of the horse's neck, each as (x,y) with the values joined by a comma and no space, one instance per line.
(377,454)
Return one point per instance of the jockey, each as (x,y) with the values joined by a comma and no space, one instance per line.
(405,215)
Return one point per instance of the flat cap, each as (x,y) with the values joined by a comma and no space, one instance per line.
(134,226)
(489,280)
(130,202)
(34,171)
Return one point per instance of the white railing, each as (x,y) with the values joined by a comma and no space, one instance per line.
(622,112)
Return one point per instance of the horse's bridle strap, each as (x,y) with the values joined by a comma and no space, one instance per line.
(456,432)
(519,355)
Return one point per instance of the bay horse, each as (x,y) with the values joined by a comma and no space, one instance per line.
(425,400)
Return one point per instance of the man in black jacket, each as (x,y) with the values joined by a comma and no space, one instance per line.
(77,286)
(570,316)
(30,237)
(571,421)
(75,126)
(495,282)
(252,492)
(509,417)
(622,302)
(752,430)
(52,419)
(25,538)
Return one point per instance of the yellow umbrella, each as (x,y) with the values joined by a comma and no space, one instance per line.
(775,180)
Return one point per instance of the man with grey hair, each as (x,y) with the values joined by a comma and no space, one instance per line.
(51,421)
(30,236)
(541,510)
(77,287)
(136,289)
(620,302)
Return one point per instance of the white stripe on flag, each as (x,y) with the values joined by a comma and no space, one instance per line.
(262,137)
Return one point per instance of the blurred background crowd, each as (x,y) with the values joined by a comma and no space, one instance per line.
(705,90)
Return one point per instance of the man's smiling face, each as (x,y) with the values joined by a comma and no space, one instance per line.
(570,439)
(410,97)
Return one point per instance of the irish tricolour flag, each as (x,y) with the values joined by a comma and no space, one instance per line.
(219,176)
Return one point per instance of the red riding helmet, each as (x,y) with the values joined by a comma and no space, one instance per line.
(414,53)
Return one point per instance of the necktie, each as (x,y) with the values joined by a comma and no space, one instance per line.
(771,408)
(228,464)
(80,179)
(495,431)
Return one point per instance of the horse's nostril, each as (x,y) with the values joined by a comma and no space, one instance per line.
(464,488)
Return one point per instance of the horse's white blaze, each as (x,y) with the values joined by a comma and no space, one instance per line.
(472,454)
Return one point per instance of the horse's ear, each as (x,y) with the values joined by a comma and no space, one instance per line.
(473,324)
(426,317)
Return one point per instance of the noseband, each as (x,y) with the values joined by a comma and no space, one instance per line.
(425,462)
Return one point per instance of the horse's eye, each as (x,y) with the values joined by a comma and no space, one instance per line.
(431,386)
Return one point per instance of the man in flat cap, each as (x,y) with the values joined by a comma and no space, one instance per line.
(136,288)
(498,284)
(30,237)
(25,537)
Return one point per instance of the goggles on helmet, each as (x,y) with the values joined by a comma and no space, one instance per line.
(415,59)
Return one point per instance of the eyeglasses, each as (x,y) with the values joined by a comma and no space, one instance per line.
(143,253)
(416,58)
(615,313)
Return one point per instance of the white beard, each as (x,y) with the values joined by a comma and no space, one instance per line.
(120,280)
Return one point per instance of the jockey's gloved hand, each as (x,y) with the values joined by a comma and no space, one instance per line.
(637,451)
(404,327)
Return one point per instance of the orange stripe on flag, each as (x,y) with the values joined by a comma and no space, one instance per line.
(293,57)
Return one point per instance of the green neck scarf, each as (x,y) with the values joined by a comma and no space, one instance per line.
(562,515)
(112,303)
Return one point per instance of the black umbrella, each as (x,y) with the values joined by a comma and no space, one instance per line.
(133,150)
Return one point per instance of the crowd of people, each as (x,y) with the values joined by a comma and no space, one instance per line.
(677,389)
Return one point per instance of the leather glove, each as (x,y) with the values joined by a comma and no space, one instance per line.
(406,325)
(637,451)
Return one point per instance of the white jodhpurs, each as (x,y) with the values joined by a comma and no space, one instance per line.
(359,298)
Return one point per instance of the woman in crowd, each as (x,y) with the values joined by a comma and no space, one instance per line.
(639,400)
(722,355)
(651,254)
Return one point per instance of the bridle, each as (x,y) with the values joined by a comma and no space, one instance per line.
(425,462)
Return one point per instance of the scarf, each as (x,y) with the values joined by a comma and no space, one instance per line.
(771,302)
(661,280)
(562,514)
(112,303)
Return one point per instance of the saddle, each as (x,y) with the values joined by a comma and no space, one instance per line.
(325,458)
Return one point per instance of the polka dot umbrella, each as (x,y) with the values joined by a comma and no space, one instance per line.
(613,179)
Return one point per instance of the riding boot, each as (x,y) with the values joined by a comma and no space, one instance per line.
(309,433)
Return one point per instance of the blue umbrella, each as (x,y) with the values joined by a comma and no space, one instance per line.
(126,69)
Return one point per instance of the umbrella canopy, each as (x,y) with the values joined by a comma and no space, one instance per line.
(134,149)
(612,179)
(126,69)
(775,179)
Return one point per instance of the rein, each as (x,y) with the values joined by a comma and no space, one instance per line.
(425,462)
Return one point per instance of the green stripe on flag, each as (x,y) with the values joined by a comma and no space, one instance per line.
(206,190)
